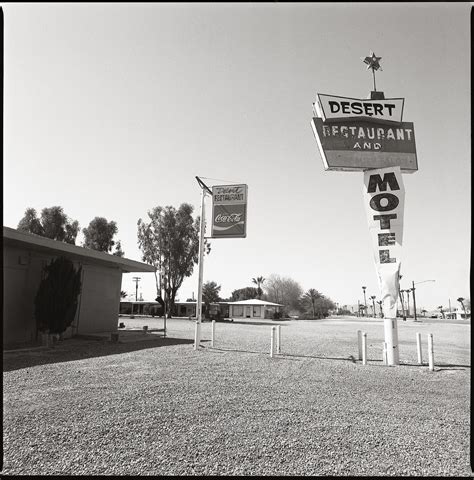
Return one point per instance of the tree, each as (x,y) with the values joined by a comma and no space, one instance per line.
(210,294)
(30,223)
(99,234)
(259,281)
(310,298)
(283,290)
(440,308)
(123,294)
(170,242)
(57,296)
(247,293)
(461,301)
(317,304)
(118,250)
(54,224)
(373,297)
(380,306)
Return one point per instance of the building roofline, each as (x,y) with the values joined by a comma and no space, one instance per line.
(12,236)
(256,301)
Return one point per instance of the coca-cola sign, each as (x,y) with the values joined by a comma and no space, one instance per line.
(229,211)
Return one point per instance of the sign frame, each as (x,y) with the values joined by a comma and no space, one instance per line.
(229,201)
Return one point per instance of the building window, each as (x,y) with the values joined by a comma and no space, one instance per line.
(238,310)
(256,311)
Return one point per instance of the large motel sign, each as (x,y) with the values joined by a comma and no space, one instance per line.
(369,135)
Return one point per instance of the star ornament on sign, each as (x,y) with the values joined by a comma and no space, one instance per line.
(373,62)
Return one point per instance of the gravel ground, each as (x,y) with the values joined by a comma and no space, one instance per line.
(154,406)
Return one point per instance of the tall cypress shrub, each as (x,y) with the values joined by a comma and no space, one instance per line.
(57,297)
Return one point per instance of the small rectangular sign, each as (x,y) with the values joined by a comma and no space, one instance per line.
(355,146)
(229,211)
(331,107)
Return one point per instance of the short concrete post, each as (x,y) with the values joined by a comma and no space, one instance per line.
(213,331)
(272,342)
(196,335)
(364,349)
(418,348)
(430,351)
(359,343)
(385,354)
(278,331)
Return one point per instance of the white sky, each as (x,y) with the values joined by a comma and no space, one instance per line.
(113,109)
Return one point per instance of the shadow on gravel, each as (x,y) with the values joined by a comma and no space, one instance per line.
(444,366)
(74,349)
(282,356)
(267,324)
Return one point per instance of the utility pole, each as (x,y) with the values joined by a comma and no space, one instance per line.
(414,301)
(136,280)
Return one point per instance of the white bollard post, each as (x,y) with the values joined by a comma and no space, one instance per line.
(196,335)
(364,349)
(278,332)
(418,348)
(359,343)
(213,330)
(384,354)
(272,342)
(391,337)
(430,351)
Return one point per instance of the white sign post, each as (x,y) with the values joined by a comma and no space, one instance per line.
(197,337)
(384,197)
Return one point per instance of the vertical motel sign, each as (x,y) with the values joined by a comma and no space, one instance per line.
(369,135)
(229,211)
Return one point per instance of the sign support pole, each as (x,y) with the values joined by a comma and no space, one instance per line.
(391,339)
(197,338)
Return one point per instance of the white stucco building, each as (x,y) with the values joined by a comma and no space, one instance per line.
(253,308)
(24,257)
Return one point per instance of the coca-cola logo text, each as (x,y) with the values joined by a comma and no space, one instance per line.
(231,218)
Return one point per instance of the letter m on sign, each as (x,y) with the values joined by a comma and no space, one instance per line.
(388,179)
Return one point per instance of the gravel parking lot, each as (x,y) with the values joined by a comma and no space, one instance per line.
(154,406)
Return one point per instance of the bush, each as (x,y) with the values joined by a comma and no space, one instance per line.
(57,297)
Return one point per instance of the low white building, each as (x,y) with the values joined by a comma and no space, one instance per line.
(253,308)
(24,257)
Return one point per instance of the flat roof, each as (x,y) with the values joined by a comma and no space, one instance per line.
(38,243)
(256,301)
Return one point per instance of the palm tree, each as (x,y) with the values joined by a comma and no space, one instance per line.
(365,301)
(259,281)
(380,306)
(311,296)
(441,310)
(373,304)
(461,301)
